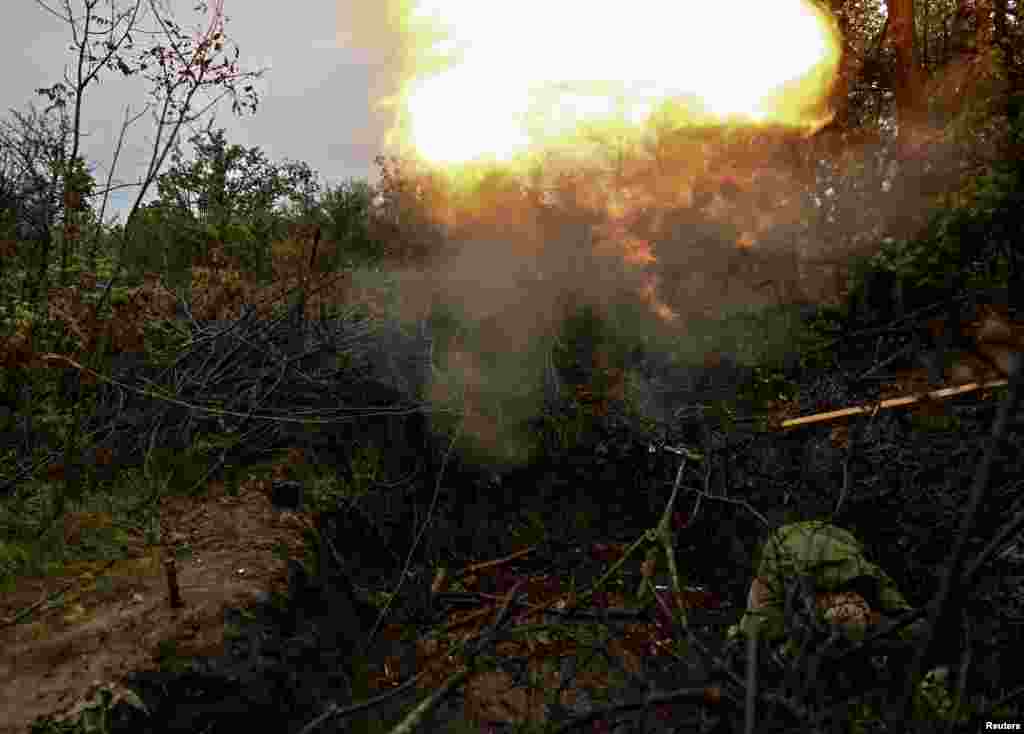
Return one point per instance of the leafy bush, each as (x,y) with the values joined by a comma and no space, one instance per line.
(973,237)
(13,559)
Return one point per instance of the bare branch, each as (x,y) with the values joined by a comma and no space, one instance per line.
(117,154)
(67,19)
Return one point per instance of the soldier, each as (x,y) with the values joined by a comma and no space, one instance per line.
(850,590)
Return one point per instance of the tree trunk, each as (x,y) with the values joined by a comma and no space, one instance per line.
(925,33)
(908,81)
(839,98)
(903,217)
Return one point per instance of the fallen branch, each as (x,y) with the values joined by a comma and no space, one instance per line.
(946,392)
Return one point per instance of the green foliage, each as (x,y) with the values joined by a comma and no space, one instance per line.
(583,519)
(225,180)
(966,236)
(933,702)
(49,725)
(19,315)
(168,658)
(557,434)
(366,469)
(328,492)
(815,343)
(163,238)
(942,423)
(184,471)
(227,194)
(239,242)
(530,530)
(753,336)
(14,558)
(165,339)
(445,325)
(768,384)
(78,177)
(8,221)
(583,332)
(346,209)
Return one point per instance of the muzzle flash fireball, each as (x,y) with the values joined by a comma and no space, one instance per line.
(494,81)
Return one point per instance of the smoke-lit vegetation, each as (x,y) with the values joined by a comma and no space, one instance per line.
(451,368)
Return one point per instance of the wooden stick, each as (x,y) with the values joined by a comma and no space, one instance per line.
(945,392)
(173,589)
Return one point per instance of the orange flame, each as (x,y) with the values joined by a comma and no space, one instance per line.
(494,81)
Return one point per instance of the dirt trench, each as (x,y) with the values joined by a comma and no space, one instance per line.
(116,618)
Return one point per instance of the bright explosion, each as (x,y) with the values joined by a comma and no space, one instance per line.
(492,81)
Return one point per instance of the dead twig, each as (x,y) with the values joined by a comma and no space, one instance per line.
(871,409)
(469,570)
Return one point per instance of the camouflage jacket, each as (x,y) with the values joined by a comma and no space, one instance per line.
(830,556)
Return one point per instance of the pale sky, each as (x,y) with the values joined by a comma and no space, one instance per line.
(314,99)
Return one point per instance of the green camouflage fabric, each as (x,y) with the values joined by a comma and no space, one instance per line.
(830,555)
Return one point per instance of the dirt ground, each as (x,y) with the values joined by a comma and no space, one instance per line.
(117,618)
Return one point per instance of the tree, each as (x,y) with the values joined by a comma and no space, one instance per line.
(179,69)
(908,79)
(404,218)
(228,193)
(347,209)
(42,187)
(221,181)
